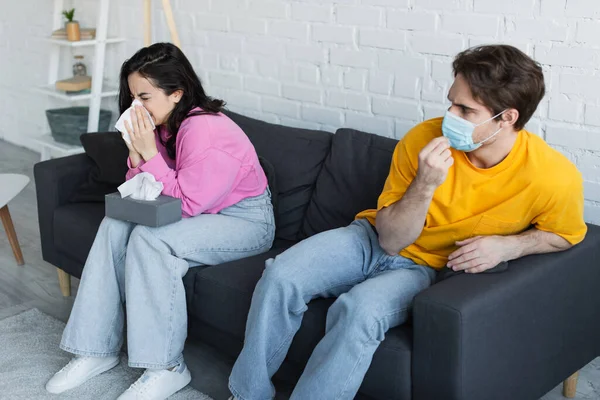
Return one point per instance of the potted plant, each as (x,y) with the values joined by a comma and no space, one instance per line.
(72,27)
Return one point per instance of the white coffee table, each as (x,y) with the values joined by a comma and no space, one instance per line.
(10,186)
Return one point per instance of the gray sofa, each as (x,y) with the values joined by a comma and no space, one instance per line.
(511,335)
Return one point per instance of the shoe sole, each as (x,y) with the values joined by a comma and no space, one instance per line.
(93,373)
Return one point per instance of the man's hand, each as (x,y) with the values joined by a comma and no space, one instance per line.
(480,253)
(435,160)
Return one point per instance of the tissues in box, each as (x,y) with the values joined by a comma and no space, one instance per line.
(162,211)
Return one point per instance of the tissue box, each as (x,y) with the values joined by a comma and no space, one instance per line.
(163,211)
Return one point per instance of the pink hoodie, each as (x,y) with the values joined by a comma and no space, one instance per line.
(215,166)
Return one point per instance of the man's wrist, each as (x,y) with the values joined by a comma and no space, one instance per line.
(425,190)
(514,247)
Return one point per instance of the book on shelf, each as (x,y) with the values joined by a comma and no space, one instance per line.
(86,34)
(76,84)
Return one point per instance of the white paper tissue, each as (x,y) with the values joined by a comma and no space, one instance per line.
(143,186)
(126,116)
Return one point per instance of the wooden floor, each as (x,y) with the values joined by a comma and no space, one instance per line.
(36,285)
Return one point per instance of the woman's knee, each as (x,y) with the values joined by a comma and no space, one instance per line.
(112,223)
(114,228)
(141,234)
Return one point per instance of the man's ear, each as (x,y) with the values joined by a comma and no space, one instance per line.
(510,117)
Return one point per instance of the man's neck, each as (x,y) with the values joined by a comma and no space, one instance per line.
(492,154)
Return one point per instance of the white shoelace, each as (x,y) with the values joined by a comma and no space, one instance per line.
(146,380)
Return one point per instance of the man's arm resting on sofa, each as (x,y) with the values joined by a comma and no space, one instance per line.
(484,252)
(534,241)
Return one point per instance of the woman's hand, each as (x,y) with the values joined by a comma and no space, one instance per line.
(134,157)
(141,133)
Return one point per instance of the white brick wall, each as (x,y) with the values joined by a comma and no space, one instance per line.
(376,65)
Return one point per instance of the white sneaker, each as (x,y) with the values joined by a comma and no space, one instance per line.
(157,384)
(79,370)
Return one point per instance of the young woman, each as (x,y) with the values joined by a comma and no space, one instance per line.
(206,160)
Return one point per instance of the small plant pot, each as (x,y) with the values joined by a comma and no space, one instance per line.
(73,31)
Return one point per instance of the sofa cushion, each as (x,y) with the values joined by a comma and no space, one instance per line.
(75,227)
(297,156)
(219,297)
(109,154)
(351,180)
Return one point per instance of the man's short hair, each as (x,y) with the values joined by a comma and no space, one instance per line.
(502,77)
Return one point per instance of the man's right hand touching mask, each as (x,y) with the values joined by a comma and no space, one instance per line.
(434,162)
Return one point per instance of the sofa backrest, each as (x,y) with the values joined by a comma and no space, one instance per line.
(297,156)
(351,180)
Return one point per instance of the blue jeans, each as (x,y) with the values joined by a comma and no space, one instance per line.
(139,270)
(374,291)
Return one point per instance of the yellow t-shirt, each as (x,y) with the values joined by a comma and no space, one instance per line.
(534,185)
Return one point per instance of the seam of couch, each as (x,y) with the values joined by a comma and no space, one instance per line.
(301,233)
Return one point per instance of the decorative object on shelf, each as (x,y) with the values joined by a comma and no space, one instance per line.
(75,85)
(79,68)
(85,34)
(71,26)
(67,124)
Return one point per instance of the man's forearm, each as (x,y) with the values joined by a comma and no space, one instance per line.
(534,241)
(400,224)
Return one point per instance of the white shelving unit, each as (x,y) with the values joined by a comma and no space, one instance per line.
(82,43)
(50,146)
(99,88)
(50,90)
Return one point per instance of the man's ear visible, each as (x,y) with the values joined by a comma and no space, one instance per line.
(510,117)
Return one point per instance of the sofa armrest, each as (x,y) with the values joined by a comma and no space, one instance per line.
(512,335)
(55,181)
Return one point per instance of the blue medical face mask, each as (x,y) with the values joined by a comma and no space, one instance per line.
(460,131)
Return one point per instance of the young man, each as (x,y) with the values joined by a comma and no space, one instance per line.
(465,192)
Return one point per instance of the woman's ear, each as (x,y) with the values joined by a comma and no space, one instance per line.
(176,96)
